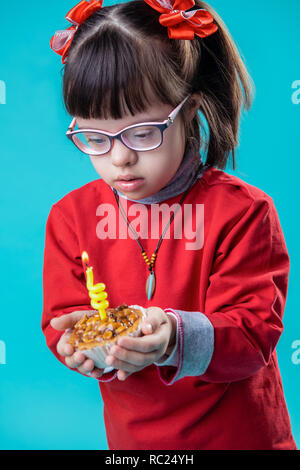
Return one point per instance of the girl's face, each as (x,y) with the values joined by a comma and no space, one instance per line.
(151,170)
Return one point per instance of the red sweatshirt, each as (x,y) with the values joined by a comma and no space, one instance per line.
(224,260)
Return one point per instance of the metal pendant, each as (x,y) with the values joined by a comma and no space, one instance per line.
(150,285)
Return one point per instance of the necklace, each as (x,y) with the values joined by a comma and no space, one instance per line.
(151,280)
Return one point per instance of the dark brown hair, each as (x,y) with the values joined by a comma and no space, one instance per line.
(121,59)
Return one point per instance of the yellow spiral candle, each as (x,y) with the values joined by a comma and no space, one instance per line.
(96,291)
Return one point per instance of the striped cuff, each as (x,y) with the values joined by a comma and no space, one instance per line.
(195,346)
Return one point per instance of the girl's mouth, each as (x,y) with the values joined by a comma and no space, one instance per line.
(129,185)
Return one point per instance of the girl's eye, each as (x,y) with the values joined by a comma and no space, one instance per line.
(95,141)
(142,136)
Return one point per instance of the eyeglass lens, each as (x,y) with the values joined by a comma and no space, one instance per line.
(138,138)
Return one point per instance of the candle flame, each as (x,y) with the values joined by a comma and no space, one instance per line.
(85,258)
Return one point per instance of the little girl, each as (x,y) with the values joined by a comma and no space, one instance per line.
(202,251)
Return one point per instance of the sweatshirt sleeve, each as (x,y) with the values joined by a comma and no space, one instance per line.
(64,285)
(193,349)
(245,297)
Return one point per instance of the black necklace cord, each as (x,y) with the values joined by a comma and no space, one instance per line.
(167,225)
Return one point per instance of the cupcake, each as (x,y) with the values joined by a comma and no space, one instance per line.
(94,337)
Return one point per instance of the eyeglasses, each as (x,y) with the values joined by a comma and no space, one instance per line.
(142,137)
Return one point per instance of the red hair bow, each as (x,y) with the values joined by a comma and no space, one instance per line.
(61,41)
(183,24)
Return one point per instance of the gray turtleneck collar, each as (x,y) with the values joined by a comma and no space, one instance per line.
(180,181)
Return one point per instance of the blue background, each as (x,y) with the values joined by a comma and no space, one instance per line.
(43,405)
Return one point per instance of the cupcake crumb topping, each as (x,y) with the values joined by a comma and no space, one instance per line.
(90,331)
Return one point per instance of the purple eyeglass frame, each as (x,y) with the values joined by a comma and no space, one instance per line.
(162,126)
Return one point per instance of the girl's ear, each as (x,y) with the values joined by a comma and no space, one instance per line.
(194,105)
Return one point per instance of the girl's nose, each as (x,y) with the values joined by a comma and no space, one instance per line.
(121,155)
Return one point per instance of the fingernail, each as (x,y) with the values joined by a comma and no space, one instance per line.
(149,327)
(94,374)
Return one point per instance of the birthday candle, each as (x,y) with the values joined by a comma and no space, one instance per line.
(96,291)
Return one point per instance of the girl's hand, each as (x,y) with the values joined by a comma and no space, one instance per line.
(133,354)
(74,360)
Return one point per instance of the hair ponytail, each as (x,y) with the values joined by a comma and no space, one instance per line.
(224,85)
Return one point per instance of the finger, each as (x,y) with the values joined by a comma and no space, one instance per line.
(117,364)
(68,321)
(63,347)
(87,366)
(132,357)
(130,361)
(144,344)
(96,373)
(155,317)
(76,360)
(122,374)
